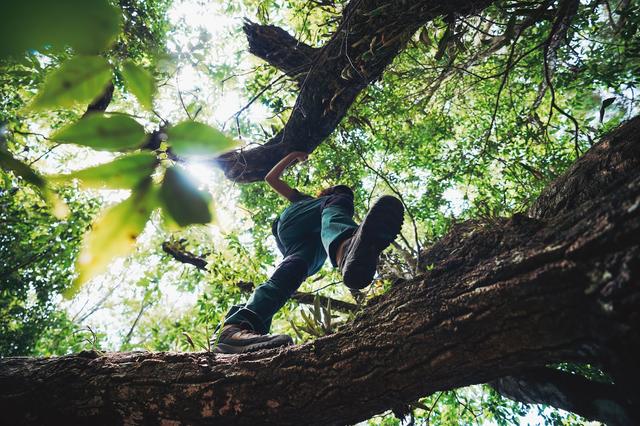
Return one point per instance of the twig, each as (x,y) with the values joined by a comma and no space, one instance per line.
(433,406)
(184,107)
(47,152)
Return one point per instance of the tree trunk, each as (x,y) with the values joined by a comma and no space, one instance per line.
(502,297)
(370,35)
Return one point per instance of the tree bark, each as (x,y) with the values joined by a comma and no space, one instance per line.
(501,297)
(370,35)
(280,49)
(590,399)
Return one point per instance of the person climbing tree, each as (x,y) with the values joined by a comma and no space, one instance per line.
(307,232)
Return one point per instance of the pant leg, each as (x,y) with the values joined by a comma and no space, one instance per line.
(299,236)
(299,233)
(270,296)
(337,222)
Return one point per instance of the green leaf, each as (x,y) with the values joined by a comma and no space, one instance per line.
(88,26)
(79,80)
(182,200)
(105,132)
(124,172)
(316,308)
(604,106)
(8,162)
(58,207)
(113,235)
(191,138)
(140,82)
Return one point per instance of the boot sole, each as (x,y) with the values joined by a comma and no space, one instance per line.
(223,348)
(378,229)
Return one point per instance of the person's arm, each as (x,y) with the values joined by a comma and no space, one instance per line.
(273,177)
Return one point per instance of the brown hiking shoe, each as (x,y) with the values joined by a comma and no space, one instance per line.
(236,339)
(379,228)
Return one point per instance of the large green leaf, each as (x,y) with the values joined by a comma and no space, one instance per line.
(88,26)
(113,234)
(191,138)
(124,172)
(182,200)
(140,82)
(105,132)
(80,80)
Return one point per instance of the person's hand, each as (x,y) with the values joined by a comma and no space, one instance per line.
(300,156)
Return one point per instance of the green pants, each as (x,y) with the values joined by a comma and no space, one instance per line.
(307,232)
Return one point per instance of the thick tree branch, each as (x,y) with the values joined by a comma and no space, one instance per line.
(601,167)
(502,297)
(370,35)
(279,49)
(592,400)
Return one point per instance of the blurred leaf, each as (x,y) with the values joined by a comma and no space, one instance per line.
(604,106)
(182,200)
(191,138)
(19,168)
(124,172)
(113,234)
(80,80)
(105,132)
(88,26)
(58,207)
(140,82)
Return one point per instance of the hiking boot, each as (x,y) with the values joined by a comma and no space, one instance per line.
(236,339)
(360,254)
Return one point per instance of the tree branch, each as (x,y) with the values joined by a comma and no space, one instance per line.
(177,250)
(592,400)
(102,103)
(280,49)
(370,35)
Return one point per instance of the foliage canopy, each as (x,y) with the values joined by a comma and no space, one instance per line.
(471,120)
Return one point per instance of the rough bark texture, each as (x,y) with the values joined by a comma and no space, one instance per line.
(601,167)
(592,400)
(501,298)
(280,49)
(370,35)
